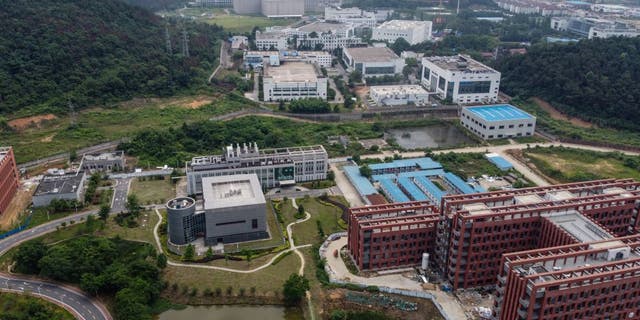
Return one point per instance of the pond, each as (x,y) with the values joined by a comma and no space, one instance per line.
(439,136)
(233,312)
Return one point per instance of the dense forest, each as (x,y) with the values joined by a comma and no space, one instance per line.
(596,80)
(157,5)
(87,52)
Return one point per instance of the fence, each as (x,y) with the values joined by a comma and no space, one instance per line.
(18,229)
(408,293)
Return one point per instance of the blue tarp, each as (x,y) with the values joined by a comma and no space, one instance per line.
(392,191)
(458,183)
(362,184)
(414,192)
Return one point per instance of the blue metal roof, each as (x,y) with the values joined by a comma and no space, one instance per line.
(500,162)
(458,183)
(414,192)
(362,184)
(422,163)
(421,173)
(392,191)
(378,177)
(433,190)
(500,112)
(382,166)
(478,188)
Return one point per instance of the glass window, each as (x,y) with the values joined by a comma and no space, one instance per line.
(469,87)
(254,223)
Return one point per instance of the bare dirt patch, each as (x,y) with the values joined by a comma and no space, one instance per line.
(30,122)
(48,138)
(557,115)
(195,104)
(18,204)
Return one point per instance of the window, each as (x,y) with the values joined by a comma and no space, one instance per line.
(254,224)
(470,87)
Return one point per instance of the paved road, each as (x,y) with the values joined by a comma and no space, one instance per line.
(76,302)
(120,191)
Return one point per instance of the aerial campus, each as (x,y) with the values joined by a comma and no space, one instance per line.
(320,159)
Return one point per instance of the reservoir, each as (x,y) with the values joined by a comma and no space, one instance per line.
(438,136)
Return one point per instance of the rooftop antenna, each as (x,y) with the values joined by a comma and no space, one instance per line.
(167,39)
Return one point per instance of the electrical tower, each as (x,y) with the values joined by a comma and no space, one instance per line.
(167,39)
(72,113)
(185,41)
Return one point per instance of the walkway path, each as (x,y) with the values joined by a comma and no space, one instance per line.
(301,272)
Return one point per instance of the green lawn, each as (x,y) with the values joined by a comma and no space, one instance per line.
(24,307)
(98,125)
(242,24)
(327,215)
(152,191)
(569,165)
(467,164)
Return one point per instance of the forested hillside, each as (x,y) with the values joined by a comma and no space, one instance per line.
(92,52)
(157,5)
(597,80)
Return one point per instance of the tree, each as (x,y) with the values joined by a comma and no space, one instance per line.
(331,175)
(365,171)
(300,214)
(355,77)
(281,106)
(133,204)
(27,257)
(161,261)
(104,212)
(73,156)
(294,289)
(209,254)
(400,45)
(189,253)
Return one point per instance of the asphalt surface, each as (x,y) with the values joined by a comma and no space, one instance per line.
(120,191)
(76,302)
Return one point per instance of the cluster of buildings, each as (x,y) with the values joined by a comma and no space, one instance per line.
(590,27)
(278,8)
(567,251)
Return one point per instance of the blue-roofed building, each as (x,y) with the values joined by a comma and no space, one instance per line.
(457,184)
(411,189)
(499,161)
(392,191)
(421,173)
(498,121)
(362,184)
(404,165)
(432,191)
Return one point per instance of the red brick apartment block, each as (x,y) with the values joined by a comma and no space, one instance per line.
(391,236)
(8,177)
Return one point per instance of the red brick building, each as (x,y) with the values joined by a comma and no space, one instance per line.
(8,177)
(392,235)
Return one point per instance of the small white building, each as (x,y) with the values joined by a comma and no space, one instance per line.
(271,41)
(239,42)
(399,95)
(292,81)
(461,79)
(274,58)
(498,121)
(373,61)
(355,16)
(413,31)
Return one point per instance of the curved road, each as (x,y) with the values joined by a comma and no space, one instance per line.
(75,301)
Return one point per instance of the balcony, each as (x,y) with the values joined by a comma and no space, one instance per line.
(524,303)
(502,280)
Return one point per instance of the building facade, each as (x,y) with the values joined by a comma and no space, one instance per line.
(373,61)
(9,178)
(273,167)
(293,81)
(282,8)
(460,79)
(498,121)
(354,16)
(399,95)
(390,236)
(212,3)
(247,6)
(105,162)
(274,58)
(413,31)
(271,41)
(69,186)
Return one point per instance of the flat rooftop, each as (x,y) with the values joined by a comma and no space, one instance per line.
(400,89)
(116,155)
(502,112)
(372,54)
(231,191)
(322,27)
(59,184)
(459,63)
(292,72)
(579,227)
(403,24)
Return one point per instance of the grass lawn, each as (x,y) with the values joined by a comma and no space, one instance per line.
(98,125)
(242,24)
(16,306)
(569,165)
(467,164)
(323,213)
(266,281)
(143,232)
(153,191)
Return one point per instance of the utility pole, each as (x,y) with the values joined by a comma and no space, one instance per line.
(458,8)
(185,41)
(167,40)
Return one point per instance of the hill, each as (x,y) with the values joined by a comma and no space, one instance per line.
(92,52)
(157,5)
(595,80)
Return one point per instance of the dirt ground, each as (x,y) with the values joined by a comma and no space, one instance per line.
(519,155)
(557,115)
(28,122)
(195,104)
(426,309)
(20,201)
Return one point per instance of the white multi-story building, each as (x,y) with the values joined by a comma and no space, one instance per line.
(328,35)
(498,121)
(355,16)
(373,61)
(399,95)
(274,167)
(413,31)
(271,41)
(460,79)
(292,81)
(274,58)
(607,32)
(282,8)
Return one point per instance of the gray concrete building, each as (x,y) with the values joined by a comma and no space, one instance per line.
(105,162)
(67,187)
(182,223)
(274,167)
(283,8)
(247,6)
